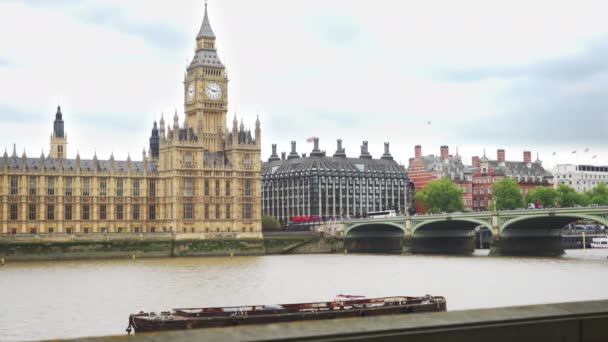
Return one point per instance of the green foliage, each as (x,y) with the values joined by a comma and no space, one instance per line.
(270,223)
(507,194)
(546,196)
(597,195)
(567,196)
(441,195)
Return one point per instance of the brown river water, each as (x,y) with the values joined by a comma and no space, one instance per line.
(48,300)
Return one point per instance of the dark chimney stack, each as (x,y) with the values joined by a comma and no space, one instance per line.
(527,157)
(316,152)
(475,161)
(340,152)
(500,156)
(365,152)
(293,154)
(444,152)
(274,156)
(387,152)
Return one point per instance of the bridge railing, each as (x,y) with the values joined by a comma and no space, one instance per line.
(519,210)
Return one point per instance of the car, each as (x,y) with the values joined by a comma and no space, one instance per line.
(593,205)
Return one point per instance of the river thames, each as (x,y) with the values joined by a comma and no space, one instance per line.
(48,300)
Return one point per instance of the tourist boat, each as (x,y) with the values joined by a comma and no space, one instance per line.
(342,306)
(599,242)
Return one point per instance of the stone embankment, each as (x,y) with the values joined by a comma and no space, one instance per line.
(120,245)
(319,245)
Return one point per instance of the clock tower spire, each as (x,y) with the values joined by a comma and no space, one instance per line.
(205,89)
(205,34)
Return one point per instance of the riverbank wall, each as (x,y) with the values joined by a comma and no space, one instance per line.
(108,246)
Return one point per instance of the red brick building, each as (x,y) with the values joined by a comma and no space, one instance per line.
(423,169)
(528,175)
(476,180)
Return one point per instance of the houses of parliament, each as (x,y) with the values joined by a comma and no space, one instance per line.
(197,176)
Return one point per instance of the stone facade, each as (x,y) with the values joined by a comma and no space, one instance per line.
(580,177)
(332,187)
(198,177)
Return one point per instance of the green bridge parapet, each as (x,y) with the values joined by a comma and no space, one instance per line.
(526,230)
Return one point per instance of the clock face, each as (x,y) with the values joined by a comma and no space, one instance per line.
(190,92)
(213,91)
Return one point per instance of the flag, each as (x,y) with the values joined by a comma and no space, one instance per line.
(309,140)
(586,150)
(574,151)
(594,156)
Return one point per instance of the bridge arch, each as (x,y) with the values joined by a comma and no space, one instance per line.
(375,237)
(452,223)
(551,218)
(371,223)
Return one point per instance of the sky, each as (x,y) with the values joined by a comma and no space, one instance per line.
(473,75)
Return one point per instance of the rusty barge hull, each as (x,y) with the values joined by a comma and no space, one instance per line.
(181,319)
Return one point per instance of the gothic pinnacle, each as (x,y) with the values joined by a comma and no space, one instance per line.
(205,31)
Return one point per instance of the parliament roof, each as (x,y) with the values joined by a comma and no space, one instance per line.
(120,166)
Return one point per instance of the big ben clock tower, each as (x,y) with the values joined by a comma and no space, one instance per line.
(205,91)
(208,176)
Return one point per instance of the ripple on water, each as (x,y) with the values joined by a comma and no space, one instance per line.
(92,298)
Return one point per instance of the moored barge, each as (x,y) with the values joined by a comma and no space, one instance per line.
(343,306)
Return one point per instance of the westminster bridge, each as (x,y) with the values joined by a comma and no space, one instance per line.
(514,232)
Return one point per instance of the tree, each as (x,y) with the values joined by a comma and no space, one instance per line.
(567,196)
(270,223)
(546,196)
(597,195)
(507,194)
(441,195)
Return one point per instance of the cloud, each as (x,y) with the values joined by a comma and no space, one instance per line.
(158,35)
(484,74)
(583,64)
(9,113)
(4,62)
(336,30)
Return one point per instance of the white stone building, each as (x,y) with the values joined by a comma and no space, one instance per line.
(580,177)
